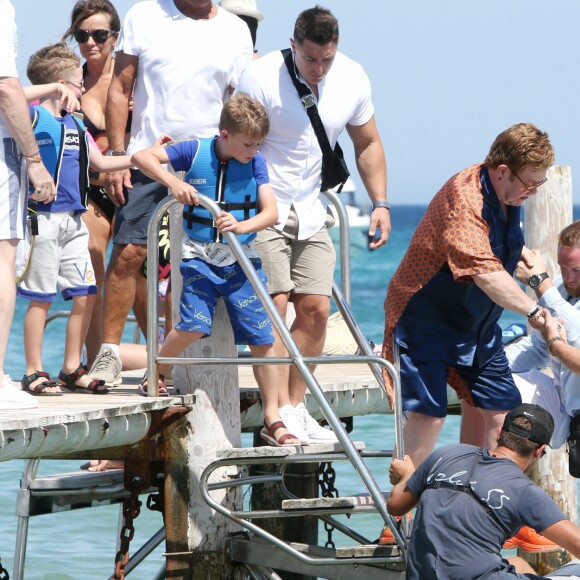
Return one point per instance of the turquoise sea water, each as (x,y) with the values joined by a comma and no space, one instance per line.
(82,544)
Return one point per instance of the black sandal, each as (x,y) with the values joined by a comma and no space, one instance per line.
(69,382)
(39,390)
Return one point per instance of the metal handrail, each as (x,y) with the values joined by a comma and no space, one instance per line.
(344,244)
(295,357)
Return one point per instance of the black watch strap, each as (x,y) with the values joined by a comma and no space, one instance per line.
(536,279)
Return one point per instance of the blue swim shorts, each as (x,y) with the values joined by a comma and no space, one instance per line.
(424,381)
(204,283)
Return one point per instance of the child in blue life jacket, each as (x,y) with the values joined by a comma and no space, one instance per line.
(229,169)
(60,259)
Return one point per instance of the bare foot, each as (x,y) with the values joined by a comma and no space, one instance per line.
(103,464)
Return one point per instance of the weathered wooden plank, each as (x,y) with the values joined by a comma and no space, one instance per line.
(266,452)
(363,499)
(73,437)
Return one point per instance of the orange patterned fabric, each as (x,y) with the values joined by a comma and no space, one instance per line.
(453,231)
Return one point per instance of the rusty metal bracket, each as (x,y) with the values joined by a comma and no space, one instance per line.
(160,420)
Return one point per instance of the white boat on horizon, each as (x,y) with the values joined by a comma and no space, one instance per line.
(358,220)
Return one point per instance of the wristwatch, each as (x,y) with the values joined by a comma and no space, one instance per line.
(381,203)
(536,279)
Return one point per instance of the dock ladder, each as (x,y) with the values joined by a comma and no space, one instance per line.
(260,550)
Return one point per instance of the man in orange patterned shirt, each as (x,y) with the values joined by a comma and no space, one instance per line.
(451,287)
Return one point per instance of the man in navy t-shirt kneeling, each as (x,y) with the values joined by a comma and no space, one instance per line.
(471,499)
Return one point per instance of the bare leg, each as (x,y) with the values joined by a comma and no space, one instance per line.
(480,427)
(281,303)
(140,302)
(267,379)
(492,422)
(521,566)
(309,332)
(7,296)
(76,332)
(167,310)
(420,435)
(175,343)
(133,356)
(472,425)
(100,232)
(120,289)
(34,321)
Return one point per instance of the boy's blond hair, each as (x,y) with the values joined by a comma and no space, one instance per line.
(243,115)
(52,63)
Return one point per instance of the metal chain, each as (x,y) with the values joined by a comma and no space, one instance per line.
(327,489)
(131,509)
(3,572)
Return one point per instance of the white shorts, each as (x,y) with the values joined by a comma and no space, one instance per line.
(13,182)
(539,389)
(59,260)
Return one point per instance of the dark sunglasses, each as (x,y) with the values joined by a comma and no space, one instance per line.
(99,35)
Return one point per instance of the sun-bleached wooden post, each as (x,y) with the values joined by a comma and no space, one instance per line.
(213,424)
(546,214)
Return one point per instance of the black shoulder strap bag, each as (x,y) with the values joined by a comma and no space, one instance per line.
(574,447)
(334,170)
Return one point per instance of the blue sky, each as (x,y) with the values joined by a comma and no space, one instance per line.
(447,75)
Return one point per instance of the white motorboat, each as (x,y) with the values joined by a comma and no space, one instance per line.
(358,220)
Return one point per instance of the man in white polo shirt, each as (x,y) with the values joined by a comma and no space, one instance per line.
(297,254)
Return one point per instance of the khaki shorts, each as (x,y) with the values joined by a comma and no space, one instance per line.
(299,266)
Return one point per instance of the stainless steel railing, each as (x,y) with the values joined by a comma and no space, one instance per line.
(295,357)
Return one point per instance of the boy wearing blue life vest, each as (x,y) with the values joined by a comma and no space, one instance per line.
(229,169)
(60,256)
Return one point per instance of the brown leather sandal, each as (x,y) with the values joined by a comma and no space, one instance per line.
(267,434)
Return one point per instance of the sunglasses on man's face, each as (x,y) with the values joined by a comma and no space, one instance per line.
(99,35)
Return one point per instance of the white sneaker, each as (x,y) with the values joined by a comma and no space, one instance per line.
(316,433)
(293,423)
(11,397)
(107,367)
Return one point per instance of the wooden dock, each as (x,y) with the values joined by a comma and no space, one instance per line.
(76,423)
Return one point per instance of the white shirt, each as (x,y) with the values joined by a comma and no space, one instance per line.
(291,148)
(8,46)
(531,353)
(185,69)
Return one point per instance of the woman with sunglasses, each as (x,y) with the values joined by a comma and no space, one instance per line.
(95,25)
